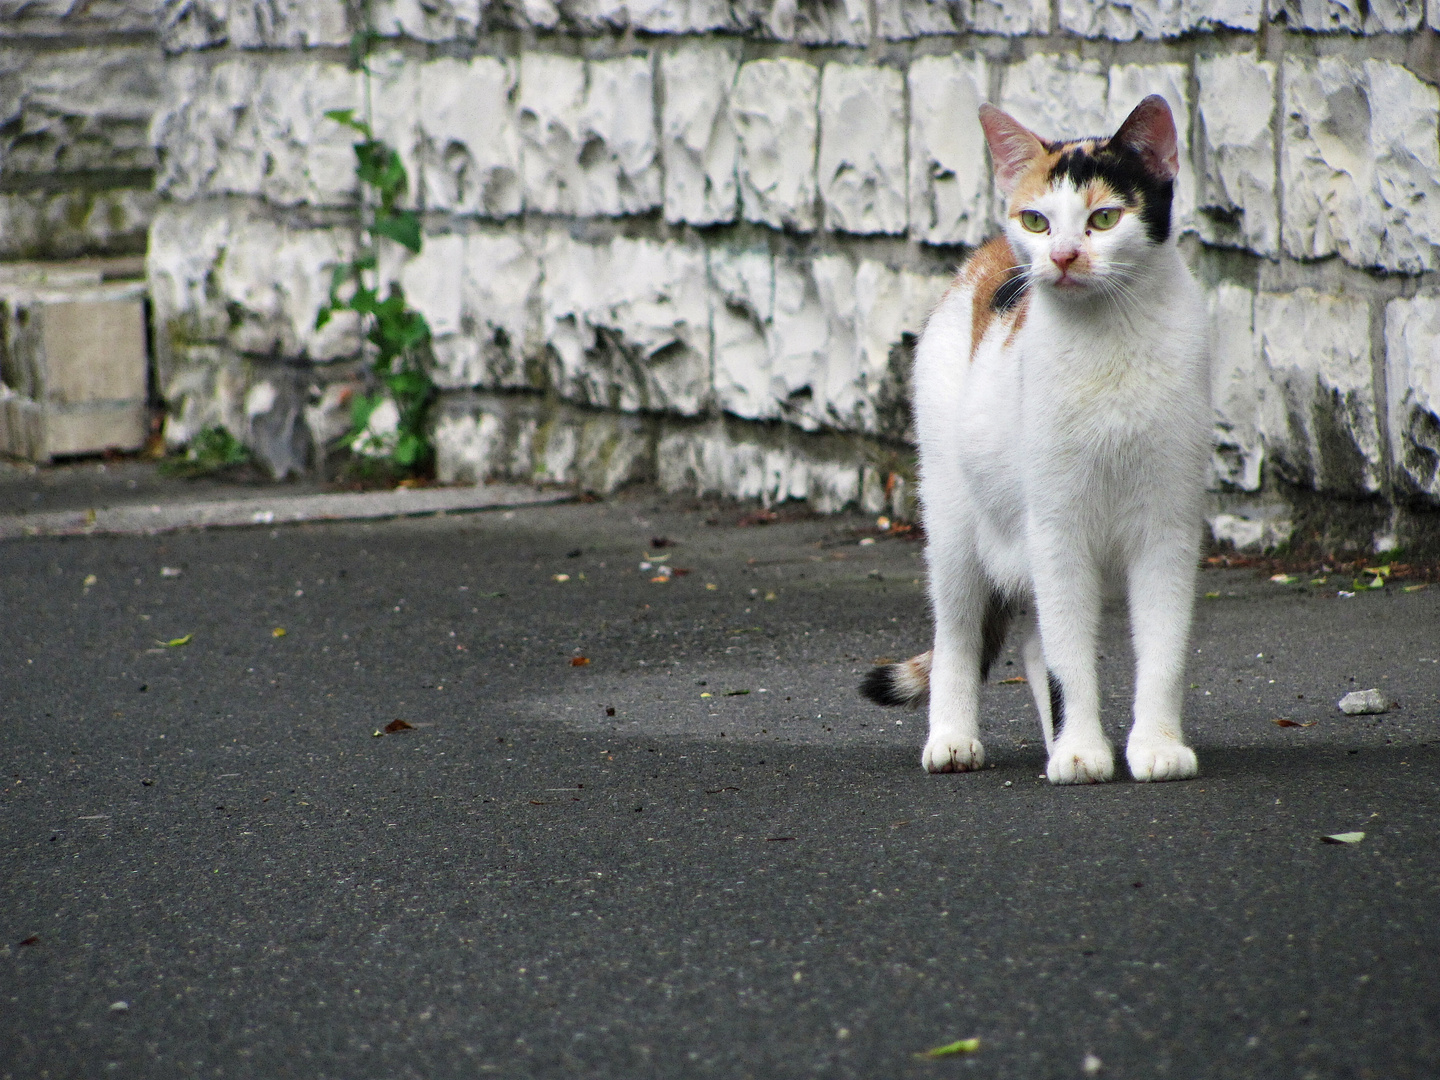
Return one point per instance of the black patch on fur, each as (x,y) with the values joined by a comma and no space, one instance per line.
(1124,170)
(1057,704)
(999,610)
(1009,293)
(880,687)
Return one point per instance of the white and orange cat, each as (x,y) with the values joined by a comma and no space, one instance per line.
(1061,401)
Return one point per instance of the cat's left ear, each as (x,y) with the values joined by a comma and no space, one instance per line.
(1150,131)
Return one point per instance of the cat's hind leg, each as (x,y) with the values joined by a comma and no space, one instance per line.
(1033,655)
(971,618)
(1067,599)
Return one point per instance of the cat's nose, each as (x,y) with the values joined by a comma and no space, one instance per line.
(1064,256)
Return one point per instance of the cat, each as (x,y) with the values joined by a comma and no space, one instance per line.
(1061,402)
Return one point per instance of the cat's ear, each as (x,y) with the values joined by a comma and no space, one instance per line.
(1149,130)
(1012,147)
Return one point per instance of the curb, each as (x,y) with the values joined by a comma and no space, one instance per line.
(282,510)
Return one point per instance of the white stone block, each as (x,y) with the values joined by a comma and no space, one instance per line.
(1057,96)
(1353,16)
(1238,199)
(776,110)
(427,20)
(1412,360)
(1122,20)
(810,22)
(1008,17)
(698,141)
(1129,85)
(862,148)
(651,16)
(500,287)
(1432,14)
(1237,382)
(588,135)
(432,281)
(287,24)
(745,285)
(949,169)
(900,20)
(628,322)
(1360,165)
(192,24)
(73,109)
(252,127)
(1220,14)
(469,142)
(709,459)
(1318,412)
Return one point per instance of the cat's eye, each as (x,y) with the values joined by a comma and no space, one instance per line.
(1104,219)
(1034,222)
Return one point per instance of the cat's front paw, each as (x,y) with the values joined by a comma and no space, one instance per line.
(952,754)
(1160,759)
(1092,764)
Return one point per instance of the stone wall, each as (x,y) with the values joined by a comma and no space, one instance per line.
(80,81)
(692,241)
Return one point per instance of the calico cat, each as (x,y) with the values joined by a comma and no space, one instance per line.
(1061,401)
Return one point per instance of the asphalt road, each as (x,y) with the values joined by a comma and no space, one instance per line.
(741,871)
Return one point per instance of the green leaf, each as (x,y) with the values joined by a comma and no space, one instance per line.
(409,450)
(347,117)
(1343,838)
(175,643)
(403,228)
(960,1046)
(322,317)
(361,406)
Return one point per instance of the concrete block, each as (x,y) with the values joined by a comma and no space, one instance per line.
(698,142)
(427,20)
(1057,96)
(1238,196)
(1412,361)
(287,24)
(1318,414)
(775,105)
(1360,164)
(74,366)
(949,170)
(862,148)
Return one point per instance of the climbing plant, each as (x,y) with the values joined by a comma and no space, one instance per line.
(402,360)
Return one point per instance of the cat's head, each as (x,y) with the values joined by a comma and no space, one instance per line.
(1086,214)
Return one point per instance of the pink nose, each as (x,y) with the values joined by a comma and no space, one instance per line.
(1063,257)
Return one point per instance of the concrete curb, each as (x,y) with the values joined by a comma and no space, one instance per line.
(280,510)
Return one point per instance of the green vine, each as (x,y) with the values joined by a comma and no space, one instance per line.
(400,335)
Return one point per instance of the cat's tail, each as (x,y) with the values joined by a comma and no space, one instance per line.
(903,683)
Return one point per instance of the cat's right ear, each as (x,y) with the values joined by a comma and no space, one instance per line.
(1012,146)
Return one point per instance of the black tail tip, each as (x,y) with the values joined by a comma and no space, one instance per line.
(880,687)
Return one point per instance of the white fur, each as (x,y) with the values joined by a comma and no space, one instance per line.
(1067,463)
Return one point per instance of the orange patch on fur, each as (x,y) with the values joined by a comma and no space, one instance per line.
(992,264)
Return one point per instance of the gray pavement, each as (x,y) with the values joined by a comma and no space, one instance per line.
(760,882)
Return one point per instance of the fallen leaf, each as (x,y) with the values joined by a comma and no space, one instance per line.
(609,710)
(170,571)
(707,694)
(660,579)
(90,579)
(882,522)
(681,571)
(736,693)
(579,661)
(711,586)
(538,802)
(398,725)
(279,631)
(1016,681)
(1343,838)
(33,939)
(1281,721)
(960,1046)
(377,734)
(175,643)
(867,541)
(1283,579)
(559,577)
(1212,596)
(1416,588)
